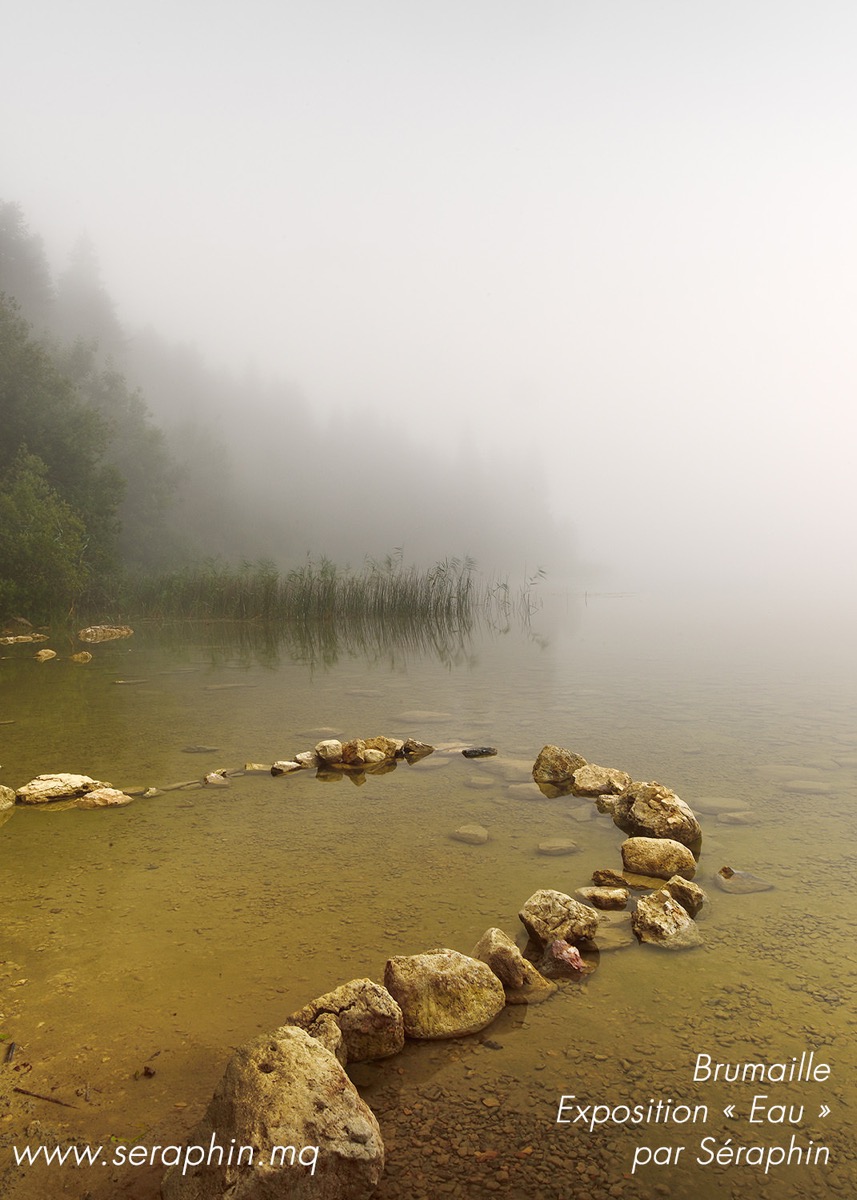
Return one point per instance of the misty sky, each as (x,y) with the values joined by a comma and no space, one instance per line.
(616,237)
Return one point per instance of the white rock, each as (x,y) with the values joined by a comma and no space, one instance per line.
(329,750)
(308,758)
(57,787)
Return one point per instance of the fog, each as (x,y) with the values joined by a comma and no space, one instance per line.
(604,251)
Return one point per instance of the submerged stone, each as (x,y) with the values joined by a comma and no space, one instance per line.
(741,883)
(614,931)
(526,791)
(713,806)
(604,897)
(473,835)
(557,847)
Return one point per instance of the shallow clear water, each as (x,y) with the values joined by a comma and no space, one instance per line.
(167,932)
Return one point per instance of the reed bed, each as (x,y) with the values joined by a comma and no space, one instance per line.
(320,612)
(445,594)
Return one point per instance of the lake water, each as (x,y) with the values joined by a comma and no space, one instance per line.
(163,934)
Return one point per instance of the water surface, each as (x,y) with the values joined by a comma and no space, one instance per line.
(165,933)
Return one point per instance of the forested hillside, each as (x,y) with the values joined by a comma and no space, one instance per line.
(121,451)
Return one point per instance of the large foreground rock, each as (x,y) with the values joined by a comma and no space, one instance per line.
(652,810)
(443,994)
(284,1090)
(368,1018)
(661,857)
(522,983)
(57,787)
(662,921)
(549,915)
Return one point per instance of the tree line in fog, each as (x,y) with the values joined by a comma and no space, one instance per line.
(123,454)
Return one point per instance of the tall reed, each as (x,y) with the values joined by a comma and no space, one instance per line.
(319,611)
(314,591)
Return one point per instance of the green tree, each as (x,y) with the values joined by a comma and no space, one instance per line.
(43,544)
(42,410)
(138,450)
